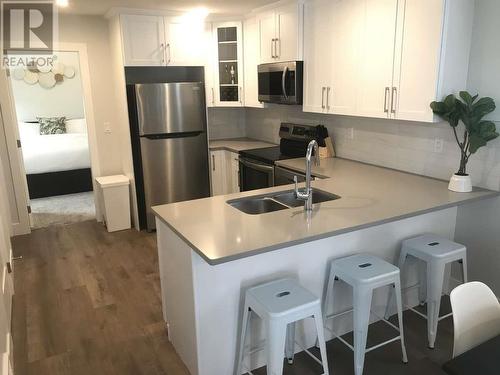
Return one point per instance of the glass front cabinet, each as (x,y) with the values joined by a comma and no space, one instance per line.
(228,72)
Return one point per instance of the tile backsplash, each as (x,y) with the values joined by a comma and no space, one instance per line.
(403,145)
(226,123)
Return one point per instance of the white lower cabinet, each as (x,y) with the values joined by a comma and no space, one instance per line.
(224,172)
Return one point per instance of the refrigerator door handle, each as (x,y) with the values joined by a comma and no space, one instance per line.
(172,135)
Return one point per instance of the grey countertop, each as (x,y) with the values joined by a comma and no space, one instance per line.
(370,196)
(237,144)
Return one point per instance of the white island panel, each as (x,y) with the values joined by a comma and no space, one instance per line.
(202,302)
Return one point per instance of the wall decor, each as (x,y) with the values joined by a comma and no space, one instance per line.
(47,76)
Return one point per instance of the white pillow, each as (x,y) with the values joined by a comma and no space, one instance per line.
(78,125)
(29,130)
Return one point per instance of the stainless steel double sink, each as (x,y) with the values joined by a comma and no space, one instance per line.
(277,201)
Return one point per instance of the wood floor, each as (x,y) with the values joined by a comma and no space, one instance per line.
(88,302)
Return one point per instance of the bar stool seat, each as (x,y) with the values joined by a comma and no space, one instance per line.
(434,252)
(280,304)
(364,273)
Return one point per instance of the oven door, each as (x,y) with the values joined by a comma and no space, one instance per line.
(255,174)
(280,83)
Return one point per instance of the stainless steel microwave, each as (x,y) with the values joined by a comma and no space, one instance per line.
(281,83)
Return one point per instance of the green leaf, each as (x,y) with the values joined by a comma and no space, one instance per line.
(485,127)
(476,142)
(482,107)
(466,97)
(450,102)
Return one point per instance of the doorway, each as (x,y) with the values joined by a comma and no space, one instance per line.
(54,135)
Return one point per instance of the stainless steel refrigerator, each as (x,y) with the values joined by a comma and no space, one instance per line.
(173,143)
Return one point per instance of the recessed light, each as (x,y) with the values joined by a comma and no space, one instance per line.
(62,3)
(197,13)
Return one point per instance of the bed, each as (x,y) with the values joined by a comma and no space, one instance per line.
(56,164)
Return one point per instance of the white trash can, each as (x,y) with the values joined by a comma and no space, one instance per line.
(115,201)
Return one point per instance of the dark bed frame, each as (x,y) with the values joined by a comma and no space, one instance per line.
(50,184)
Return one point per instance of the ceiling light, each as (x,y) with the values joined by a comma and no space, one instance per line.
(62,3)
(197,13)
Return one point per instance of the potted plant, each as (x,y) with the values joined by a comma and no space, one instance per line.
(469,111)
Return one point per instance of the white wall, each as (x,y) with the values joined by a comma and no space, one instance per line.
(478,228)
(64,99)
(93,31)
(484,69)
(122,121)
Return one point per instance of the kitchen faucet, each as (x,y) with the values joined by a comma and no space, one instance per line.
(306,194)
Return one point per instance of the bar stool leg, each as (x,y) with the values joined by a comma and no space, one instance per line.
(362,306)
(244,329)
(276,338)
(435,280)
(464,269)
(318,320)
(399,304)
(422,289)
(327,299)
(290,343)
(390,301)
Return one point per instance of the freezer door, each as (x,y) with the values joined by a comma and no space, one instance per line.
(164,108)
(175,169)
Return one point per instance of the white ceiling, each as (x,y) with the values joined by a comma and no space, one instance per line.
(100,7)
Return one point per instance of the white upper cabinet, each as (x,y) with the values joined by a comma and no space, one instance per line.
(143,39)
(186,41)
(378,28)
(280,33)
(287,32)
(251,58)
(267,36)
(385,58)
(318,61)
(431,61)
(332,33)
(228,64)
(160,41)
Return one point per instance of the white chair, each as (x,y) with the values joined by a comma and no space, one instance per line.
(476,316)
(280,304)
(434,253)
(364,273)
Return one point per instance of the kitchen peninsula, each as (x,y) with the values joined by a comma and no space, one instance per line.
(209,251)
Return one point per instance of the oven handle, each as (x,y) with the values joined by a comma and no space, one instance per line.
(259,167)
(283,86)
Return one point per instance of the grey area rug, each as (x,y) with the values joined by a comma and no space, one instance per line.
(62,209)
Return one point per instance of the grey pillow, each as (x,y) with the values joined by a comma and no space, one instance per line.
(52,125)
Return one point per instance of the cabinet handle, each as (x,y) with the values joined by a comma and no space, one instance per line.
(213,162)
(213,96)
(162,46)
(394,97)
(241,94)
(328,98)
(386,92)
(168,55)
(323,97)
(272,48)
(276,53)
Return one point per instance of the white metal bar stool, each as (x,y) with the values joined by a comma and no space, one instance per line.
(364,273)
(435,253)
(280,304)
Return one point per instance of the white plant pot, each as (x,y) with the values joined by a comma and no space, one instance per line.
(460,184)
